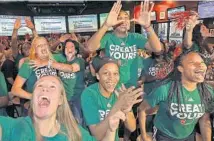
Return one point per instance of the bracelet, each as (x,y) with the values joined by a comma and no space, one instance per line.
(50,63)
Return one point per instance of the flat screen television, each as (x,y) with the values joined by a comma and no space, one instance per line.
(206,9)
(50,24)
(83,23)
(7,24)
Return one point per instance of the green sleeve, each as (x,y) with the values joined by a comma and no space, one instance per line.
(25,70)
(59,58)
(26,133)
(140,40)
(104,40)
(81,62)
(86,135)
(7,126)
(90,111)
(158,95)
(3,86)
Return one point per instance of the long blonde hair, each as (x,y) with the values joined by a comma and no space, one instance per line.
(64,117)
(32,55)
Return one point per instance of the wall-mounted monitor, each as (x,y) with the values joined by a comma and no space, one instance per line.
(7,24)
(83,23)
(206,9)
(171,11)
(153,16)
(50,24)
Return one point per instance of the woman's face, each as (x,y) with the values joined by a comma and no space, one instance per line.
(46,97)
(42,49)
(108,76)
(70,50)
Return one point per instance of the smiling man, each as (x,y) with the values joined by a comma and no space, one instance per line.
(122,45)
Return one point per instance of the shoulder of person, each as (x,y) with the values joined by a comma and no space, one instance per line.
(81,60)
(92,89)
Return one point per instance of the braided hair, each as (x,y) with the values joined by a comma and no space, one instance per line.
(176,91)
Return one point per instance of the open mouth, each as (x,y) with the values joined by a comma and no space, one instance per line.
(44,101)
(200,72)
(111,85)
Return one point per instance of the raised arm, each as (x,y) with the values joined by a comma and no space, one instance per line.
(31,26)
(144,20)
(190,24)
(94,42)
(14,43)
(62,39)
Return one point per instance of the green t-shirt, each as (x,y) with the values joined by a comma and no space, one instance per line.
(3,92)
(155,73)
(21,129)
(95,106)
(125,50)
(17,59)
(32,75)
(73,82)
(176,122)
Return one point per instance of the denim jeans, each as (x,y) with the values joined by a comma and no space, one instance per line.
(75,106)
(160,136)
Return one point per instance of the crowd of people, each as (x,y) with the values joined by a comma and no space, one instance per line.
(70,88)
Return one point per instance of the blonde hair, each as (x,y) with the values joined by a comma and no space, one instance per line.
(32,55)
(64,117)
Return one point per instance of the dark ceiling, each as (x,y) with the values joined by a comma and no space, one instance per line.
(52,8)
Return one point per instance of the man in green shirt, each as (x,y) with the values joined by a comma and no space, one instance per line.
(99,101)
(182,103)
(122,45)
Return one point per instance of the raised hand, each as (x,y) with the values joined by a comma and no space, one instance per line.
(29,23)
(128,97)
(65,37)
(17,24)
(192,21)
(114,120)
(74,37)
(144,18)
(113,14)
